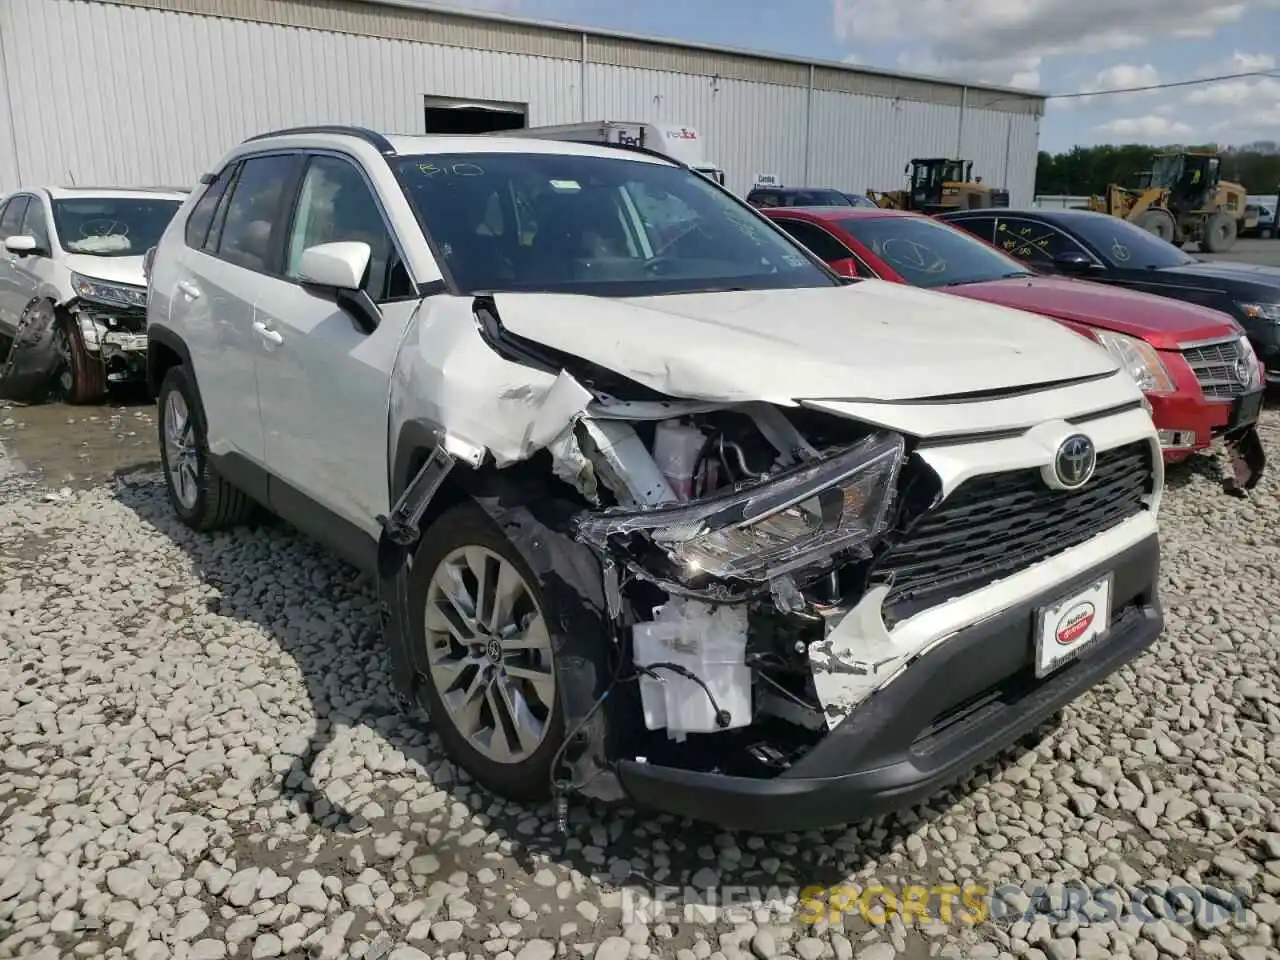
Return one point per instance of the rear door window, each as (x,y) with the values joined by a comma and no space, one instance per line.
(1034,242)
(201,216)
(983,228)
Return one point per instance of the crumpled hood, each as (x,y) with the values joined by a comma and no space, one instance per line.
(112,269)
(1162,322)
(869,340)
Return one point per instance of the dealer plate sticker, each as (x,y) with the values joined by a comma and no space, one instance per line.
(1072,624)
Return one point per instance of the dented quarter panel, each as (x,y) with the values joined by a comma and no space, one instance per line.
(870,340)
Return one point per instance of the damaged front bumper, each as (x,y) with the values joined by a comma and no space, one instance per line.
(959,703)
(114,337)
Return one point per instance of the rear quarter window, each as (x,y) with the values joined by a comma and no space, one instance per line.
(201,216)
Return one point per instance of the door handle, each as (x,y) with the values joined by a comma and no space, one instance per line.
(189,288)
(266,333)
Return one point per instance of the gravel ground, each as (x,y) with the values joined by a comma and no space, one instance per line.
(199,759)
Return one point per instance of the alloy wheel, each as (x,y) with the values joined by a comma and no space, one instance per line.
(181,453)
(489,654)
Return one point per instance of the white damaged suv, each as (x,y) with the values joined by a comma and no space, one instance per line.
(72,287)
(658,505)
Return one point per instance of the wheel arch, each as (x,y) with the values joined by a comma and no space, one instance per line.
(165,350)
(535,515)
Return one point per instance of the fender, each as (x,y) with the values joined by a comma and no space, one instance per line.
(571,574)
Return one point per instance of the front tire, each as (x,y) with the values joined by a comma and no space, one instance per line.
(1220,232)
(490,679)
(81,376)
(201,498)
(1160,223)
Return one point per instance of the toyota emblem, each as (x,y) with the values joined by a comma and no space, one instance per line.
(1074,462)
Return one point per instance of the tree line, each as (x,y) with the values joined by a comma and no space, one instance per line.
(1088,170)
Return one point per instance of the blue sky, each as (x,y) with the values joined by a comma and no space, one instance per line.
(1050,45)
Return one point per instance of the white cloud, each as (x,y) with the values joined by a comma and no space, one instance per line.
(1148,129)
(1122,76)
(1230,93)
(1016,71)
(972,38)
(1244,62)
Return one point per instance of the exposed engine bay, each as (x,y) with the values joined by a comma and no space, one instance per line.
(50,338)
(726,577)
(739,533)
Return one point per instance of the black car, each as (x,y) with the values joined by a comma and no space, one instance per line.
(1095,246)
(797,197)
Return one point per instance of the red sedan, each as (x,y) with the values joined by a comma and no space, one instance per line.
(1195,365)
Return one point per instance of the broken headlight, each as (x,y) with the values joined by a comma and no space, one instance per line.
(101,291)
(794,519)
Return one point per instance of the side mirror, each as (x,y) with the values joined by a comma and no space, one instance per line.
(22,245)
(1074,261)
(847,267)
(339,268)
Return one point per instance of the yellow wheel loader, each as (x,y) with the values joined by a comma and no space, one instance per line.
(937,185)
(1183,199)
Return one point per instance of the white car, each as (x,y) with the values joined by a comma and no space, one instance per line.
(658,505)
(72,292)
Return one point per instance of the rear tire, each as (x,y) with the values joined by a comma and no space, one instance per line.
(1160,223)
(201,498)
(1220,232)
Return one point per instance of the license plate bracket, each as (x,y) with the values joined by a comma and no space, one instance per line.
(1072,624)
(1246,409)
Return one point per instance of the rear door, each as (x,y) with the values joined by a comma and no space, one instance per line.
(323,381)
(220,276)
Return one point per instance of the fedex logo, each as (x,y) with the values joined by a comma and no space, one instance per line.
(630,139)
(684,133)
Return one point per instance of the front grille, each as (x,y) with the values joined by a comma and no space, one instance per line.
(995,525)
(1215,367)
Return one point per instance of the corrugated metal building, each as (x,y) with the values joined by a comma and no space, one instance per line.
(144,92)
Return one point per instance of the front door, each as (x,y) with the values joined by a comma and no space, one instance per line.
(323,381)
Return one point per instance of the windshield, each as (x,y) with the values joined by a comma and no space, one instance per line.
(1125,246)
(928,254)
(111,226)
(606,226)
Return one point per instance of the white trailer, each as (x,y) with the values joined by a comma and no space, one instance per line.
(676,141)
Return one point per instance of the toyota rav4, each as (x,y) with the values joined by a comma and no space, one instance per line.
(658,505)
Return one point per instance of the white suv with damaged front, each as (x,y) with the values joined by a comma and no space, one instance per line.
(657,505)
(73,293)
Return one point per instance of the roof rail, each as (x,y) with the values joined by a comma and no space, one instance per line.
(371,137)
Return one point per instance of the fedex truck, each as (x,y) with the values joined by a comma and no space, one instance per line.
(676,141)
